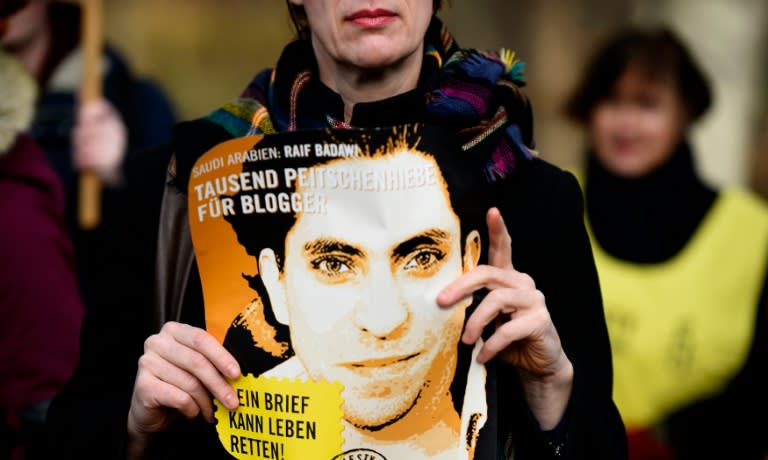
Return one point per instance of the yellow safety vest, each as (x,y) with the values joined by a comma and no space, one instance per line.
(681,329)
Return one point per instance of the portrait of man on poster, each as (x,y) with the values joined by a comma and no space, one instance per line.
(356,287)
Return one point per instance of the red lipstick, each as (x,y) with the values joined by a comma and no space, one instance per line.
(374,18)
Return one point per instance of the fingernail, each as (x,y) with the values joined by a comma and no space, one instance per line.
(232,401)
(233,371)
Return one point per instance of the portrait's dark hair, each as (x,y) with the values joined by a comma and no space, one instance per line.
(299,17)
(470,196)
(658,53)
(464,187)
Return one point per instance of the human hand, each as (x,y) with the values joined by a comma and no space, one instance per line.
(524,336)
(180,368)
(99,141)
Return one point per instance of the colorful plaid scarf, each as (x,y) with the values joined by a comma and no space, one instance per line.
(477,95)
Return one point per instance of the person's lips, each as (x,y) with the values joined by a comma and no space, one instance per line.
(373,18)
(624,146)
(374,363)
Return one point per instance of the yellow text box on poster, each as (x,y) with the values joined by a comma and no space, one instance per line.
(281,419)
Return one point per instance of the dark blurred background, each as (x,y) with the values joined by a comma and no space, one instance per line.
(205,51)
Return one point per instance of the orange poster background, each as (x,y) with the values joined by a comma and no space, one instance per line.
(220,258)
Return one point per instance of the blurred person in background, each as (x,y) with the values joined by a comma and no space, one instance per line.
(682,265)
(40,305)
(134,114)
(368,64)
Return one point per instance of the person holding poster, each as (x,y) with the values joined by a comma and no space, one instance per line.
(424,285)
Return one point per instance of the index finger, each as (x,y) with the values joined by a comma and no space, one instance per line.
(205,344)
(484,276)
(499,241)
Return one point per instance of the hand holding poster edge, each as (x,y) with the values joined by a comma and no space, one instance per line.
(524,335)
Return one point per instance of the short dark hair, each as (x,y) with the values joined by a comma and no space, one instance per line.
(656,51)
(299,17)
(467,186)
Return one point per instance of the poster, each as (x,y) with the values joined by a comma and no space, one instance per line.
(321,254)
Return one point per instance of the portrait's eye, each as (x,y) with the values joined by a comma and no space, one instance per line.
(332,266)
(424,261)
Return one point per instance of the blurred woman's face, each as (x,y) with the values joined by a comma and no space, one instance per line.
(637,127)
(371,34)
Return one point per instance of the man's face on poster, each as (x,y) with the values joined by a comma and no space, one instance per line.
(359,287)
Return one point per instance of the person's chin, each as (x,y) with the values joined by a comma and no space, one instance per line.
(631,168)
(374,53)
(374,63)
(373,414)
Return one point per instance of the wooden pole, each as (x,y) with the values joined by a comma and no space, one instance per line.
(89,205)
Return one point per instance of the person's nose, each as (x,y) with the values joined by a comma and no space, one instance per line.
(626,117)
(382,312)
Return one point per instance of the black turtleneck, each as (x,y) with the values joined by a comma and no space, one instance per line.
(651,218)
(401,109)
(320,101)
